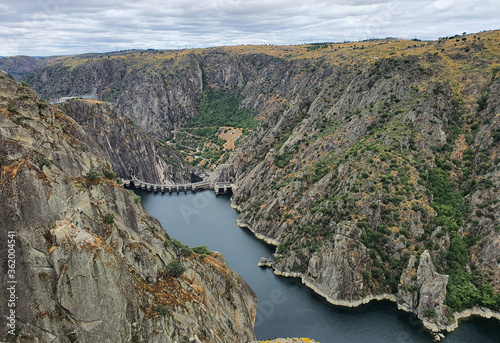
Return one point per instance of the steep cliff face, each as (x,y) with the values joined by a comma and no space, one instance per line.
(18,66)
(357,169)
(90,264)
(129,149)
(423,290)
(159,91)
(383,162)
(374,167)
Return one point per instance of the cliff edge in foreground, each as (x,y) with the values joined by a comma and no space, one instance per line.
(89,264)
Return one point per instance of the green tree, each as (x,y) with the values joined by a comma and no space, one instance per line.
(92,175)
(109,218)
(175,268)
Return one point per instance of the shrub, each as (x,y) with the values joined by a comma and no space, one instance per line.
(185,251)
(404,232)
(430,313)
(175,268)
(180,248)
(320,170)
(137,198)
(110,174)
(92,175)
(496,136)
(376,273)
(162,310)
(44,162)
(482,102)
(41,105)
(109,218)
(202,250)
(282,160)
(176,243)
(11,108)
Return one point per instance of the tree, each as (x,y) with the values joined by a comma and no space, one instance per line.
(175,268)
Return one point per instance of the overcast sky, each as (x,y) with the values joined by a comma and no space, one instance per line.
(56,27)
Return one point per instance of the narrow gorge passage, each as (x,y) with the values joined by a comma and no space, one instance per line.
(286,308)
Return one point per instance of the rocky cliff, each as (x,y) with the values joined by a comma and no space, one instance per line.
(90,264)
(379,181)
(18,66)
(374,167)
(129,149)
(157,90)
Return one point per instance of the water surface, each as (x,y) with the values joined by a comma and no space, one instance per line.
(286,308)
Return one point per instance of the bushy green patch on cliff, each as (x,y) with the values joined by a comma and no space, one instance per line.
(200,139)
(447,203)
(222,108)
(465,287)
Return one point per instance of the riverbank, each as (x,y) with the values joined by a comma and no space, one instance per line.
(431,326)
(286,308)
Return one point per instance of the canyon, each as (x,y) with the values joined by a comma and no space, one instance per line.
(372,166)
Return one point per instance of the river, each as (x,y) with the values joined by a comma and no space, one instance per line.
(286,308)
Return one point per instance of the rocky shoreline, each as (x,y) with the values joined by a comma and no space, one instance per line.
(266,239)
(432,327)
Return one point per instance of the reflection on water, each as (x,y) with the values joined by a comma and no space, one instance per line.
(286,308)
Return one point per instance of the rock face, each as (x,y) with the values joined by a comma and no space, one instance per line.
(339,273)
(423,291)
(367,155)
(354,179)
(90,264)
(156,99)
(130,149)
(18,66)
(223,173)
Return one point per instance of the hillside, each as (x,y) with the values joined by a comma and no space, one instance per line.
(373,166)
(18,66)
(84,261)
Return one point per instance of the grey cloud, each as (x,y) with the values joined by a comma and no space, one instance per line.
(43,27)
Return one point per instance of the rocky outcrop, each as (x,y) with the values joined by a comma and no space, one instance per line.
(423,291)
(223,173)
(90,264)
(130,150)
(265,262)
(339,272)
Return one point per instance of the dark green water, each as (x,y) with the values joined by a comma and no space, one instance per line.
(286,308)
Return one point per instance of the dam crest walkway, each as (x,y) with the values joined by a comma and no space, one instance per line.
(218,187)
